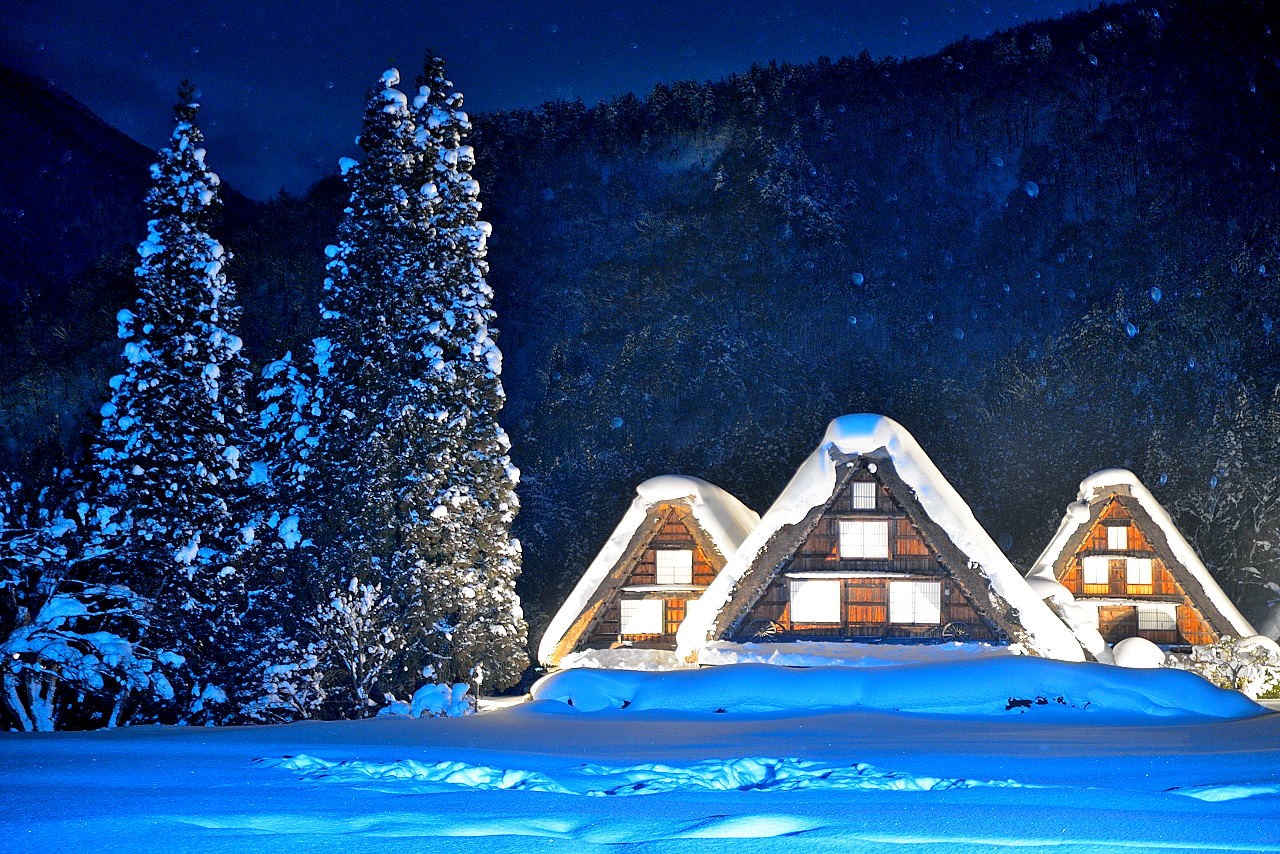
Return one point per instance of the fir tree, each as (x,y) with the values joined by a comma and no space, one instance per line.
(407,384)
(474,502)
(168,457)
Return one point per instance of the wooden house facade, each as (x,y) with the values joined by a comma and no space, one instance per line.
(866,565)
(870,542)
(1119,554)
(667,549)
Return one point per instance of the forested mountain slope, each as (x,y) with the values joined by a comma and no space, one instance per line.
(1046,252)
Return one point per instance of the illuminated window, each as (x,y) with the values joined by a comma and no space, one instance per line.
(641,616)
(863,495)
(675,566)
(915,602)
(1118,538)
(815,600)
(1157,618)
(1138,575)
(1095,570)
(865,538)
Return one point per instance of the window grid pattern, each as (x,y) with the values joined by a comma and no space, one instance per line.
(1138,575)
(1095,569)
(1117,537)
(864,538)
(862,495)
(915,602)
(1157,618)
(674,566)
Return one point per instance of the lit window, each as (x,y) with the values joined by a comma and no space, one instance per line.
(1096,577)
(863,495)
(867,538)
(815,600)
(1138,573)
(641,616)
(1157,618)
(1118,538)
(675,566)
(915,602)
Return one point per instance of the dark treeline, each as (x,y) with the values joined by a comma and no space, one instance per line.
(1045,253)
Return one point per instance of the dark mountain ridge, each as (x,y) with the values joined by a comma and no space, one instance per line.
(1045,252)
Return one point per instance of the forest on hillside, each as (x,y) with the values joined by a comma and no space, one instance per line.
(1046,252)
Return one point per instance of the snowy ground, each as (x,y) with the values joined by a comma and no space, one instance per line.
(658,776)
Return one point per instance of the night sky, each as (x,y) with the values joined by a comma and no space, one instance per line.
(282,82)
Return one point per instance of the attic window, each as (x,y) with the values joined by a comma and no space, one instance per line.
(915,602)
(674,566)
(1157,618)
(862,495)
(1117,538)
(864,538)
(815,600)
(641,616)
(1138,575)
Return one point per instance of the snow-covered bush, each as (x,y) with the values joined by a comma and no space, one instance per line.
(1249,665)
(64,636)
(356,643)
(291,681)
(433,700)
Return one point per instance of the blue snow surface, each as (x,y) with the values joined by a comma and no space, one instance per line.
(745,758)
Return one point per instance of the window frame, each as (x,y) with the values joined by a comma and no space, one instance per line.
(655,606)
(932,612)
(1094,585)
(861,492)
(1167,612)
(848,525)
(813,599)
(1120,534)
(1135,566)
(659,555)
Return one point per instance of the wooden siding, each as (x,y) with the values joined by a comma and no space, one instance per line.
(1116,622)
(674,533)
(864,606)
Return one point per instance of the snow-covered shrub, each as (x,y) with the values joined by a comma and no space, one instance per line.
(1249,665)
(64,637)
(433,700)
(1138,653)
(291,680)
(356,642)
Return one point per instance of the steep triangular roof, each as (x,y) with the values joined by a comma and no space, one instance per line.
(1096,491)
(975,560)
(722,522)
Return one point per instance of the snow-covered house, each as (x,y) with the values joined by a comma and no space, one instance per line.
(669,545)
(870,541)
(1124,561)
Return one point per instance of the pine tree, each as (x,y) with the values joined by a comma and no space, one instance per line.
(474,502)
(168,458)
(407,384)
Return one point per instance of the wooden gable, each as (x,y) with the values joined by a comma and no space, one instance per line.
(861,569)
(1121,562)
(668,526)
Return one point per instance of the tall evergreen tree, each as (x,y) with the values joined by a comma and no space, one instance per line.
(473,503)
(419,490)
(168,457)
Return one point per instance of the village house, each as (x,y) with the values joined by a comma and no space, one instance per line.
(1130,570)
(670,544)
(869,542)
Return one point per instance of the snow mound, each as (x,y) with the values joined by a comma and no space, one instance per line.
(624,658)
(1000,687)
(836,653)
(1138,652)
(746,774)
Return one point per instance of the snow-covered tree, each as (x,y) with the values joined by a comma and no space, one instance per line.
(473,501)
(418,489)
(168,457)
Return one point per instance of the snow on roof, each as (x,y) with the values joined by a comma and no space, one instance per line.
(1098,486)
(813,485)
(725,519)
